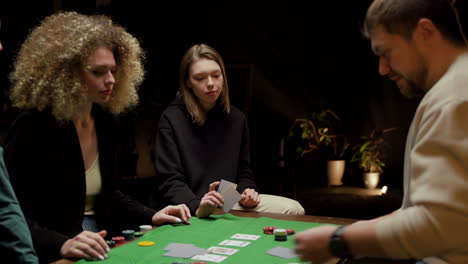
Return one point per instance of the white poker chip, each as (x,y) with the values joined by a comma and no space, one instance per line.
(145,228)
(280,232)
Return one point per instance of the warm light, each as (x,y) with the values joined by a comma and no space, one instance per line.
(384,190)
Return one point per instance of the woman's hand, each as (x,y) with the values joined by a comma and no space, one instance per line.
(172,214)
(87,245)
(210,201)
(250,198)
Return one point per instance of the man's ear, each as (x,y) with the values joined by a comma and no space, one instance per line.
(425,29)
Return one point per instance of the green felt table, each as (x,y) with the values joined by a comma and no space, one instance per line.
(206,233)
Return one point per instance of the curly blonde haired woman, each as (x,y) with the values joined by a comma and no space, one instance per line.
(73,74)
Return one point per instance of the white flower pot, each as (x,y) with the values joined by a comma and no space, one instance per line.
(371,179)
(335,172)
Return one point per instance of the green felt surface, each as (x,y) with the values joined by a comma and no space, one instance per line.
(206,233)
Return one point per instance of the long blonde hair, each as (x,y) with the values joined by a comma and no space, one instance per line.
(193,54)
(47,69)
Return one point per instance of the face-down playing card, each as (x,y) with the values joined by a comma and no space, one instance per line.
(231,196)
(180,250)
(282,252)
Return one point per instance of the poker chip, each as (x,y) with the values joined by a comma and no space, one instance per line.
(281,237)
(146,243)
(138,234)
(118,239)
(110,243)
(128,234)
(290,231)
(280,234)
(145,228)
(269,230)
(280,231)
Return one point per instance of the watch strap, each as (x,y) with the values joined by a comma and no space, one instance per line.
(337,245)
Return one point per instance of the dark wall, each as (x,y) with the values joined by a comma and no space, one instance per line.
(283,61)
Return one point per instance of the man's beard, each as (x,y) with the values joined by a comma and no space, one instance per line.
(412,88)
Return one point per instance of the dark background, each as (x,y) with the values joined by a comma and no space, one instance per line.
(283,61)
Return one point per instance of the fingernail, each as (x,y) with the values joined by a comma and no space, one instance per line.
(108,250)
(106,256)
(101,257)
(178,220)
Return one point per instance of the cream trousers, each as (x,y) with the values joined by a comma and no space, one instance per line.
(275,204)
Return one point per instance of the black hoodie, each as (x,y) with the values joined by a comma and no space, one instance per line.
(188,157)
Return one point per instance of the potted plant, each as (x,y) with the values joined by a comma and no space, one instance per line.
(370,154)
(318,132)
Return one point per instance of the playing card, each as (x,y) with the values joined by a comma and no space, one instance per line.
(282,252)
(234,243)
(210,257)
(180,253)
(231,197)
(245,236)
(180,250)
(224,185)
(222,250)
(172,246)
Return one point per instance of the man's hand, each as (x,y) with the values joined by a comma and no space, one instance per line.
(172,214)
(210,201)
(87,245)
(312,244)
(249,198)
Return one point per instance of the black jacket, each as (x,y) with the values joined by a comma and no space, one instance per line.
(189,157)
(46,168)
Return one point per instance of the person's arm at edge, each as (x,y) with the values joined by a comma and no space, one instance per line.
(11,217)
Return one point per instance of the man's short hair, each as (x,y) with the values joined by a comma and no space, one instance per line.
(402,16)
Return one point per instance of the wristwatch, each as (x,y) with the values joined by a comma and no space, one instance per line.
(337,245)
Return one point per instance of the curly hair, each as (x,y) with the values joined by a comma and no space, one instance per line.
(47,68)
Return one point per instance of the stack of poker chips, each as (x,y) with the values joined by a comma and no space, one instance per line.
(280,234)
(145,228)
(118,240)
(269,230)
(128,234)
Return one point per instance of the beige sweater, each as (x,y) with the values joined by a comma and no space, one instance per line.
(433,221)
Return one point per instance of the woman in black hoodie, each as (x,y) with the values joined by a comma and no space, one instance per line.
(202,139)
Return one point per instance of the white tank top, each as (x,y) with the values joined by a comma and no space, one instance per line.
(93,185)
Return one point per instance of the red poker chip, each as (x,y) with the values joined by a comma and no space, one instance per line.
(290,231)
(118,239)
(269,230)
